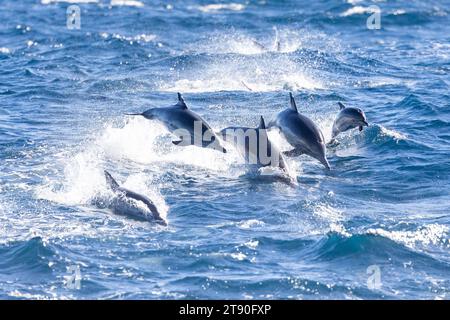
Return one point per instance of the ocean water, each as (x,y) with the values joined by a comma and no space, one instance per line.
(374,227)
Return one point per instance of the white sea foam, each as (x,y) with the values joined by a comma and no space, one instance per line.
(276,41)
(213,8)
(83,176)
(432,234)
(128,3)
(5,50)
(358,10)
(24,295)
(138,38)
(238,75)
(398,12)
(354,1)
(68,1)
(238,256)
(327,212)
(236,71)
(139,142)
(31,43)
(392,133)
(252,244)
(251,223)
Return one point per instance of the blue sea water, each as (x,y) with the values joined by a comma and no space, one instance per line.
(374,227)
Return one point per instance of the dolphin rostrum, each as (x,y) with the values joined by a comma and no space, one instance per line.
(348,118)
(186,124)
(131,204)
(302,133)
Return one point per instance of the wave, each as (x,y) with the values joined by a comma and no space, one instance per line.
(137,38)
(433,234)
(279,40)
(396,16)
(237,73)
(127,3)
(380,245)
(68,1)
(216,7)
(377,139)
(358,10)
(26,259)
(83,171)
(413,106)
(5,50)
(269,286)
(142,147)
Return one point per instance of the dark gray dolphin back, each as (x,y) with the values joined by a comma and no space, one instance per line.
(119,205)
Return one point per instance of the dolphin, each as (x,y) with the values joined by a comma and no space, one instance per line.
(302,133)
(348,118)
(255,145)
(186,124)
(132,204)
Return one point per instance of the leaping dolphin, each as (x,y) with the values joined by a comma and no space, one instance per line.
(348,118)
(255,145)
(186,124)
(302,133)
(132,204)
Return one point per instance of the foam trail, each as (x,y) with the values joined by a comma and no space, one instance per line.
(138,142)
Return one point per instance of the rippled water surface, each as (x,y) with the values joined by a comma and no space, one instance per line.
(383,207)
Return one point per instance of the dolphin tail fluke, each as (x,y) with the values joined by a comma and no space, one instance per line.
(341,106)
(111,181)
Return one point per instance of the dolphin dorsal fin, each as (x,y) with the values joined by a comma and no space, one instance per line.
(262,123)
(341,106)
(111,182)
(181,102)
(293,104)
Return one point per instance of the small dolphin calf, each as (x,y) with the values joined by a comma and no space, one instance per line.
(186,124)
(302,133)
(348,118)
(132,204)
(255,146)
